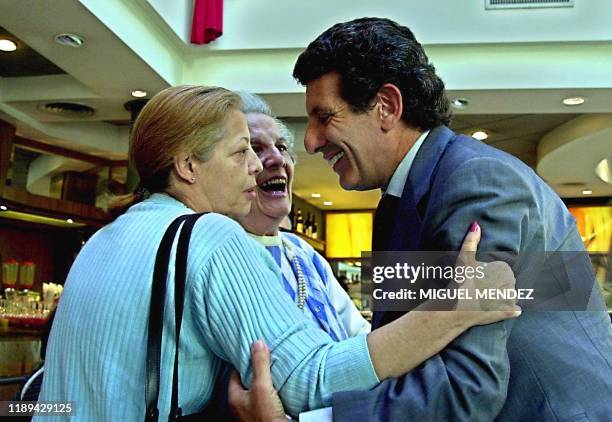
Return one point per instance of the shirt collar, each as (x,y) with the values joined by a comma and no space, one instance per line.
(267,240)
(398,180)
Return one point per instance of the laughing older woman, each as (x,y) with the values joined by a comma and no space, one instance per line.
(307,277)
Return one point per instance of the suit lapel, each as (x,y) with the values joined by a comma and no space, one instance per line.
(407,230)
(407,227)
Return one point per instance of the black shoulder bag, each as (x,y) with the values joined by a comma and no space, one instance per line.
(156,315)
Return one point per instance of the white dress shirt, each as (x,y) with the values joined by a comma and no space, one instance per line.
(398,180)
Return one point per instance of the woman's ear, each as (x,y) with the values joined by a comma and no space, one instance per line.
(183,165)
(389,105)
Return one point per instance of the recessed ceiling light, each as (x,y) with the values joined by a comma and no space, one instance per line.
(587,192)
(604,170)
(70,40)
(460,102)
(481,135)
(328,203)
(573,101)
(315,195)
(7,45)
(69,220)
(139,93)
(3,208)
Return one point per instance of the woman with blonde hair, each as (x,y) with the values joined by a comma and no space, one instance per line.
(191,148)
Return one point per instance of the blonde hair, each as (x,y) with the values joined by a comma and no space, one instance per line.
(182,119)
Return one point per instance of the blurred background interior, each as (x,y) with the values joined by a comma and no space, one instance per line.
(533,78)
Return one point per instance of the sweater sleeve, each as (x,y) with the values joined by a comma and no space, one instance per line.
(244,301)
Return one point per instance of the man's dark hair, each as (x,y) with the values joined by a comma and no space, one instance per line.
(370,52)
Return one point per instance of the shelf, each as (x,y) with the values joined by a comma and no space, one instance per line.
(318,244)
(24,202)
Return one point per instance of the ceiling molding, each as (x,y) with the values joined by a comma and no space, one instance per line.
(37,146)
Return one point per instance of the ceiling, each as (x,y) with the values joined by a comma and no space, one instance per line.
(518,114)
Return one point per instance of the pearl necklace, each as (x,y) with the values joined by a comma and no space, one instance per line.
(292,257)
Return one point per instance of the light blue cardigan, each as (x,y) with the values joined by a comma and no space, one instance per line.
(234,296)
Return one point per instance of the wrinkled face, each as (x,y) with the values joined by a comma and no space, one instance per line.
(273,201)
(228,178)
(348,141)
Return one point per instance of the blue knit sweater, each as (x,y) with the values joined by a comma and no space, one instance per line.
(234,296)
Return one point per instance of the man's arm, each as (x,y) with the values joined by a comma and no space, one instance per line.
(468,380)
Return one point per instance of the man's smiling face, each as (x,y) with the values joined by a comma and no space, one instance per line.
(349,141)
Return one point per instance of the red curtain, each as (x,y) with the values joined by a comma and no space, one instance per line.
(207,21)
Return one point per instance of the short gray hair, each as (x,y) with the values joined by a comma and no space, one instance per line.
(253,103)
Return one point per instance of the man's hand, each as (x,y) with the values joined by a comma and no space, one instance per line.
(261,402)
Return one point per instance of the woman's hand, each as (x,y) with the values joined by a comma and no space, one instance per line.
(498,277)
(425,331)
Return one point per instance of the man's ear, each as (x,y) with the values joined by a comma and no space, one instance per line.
(389,106)
(183,165)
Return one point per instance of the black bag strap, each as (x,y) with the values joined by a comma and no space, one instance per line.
(156,312)
(156,315)
(180,275)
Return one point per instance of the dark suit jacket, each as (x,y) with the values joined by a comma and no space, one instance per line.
(545,365)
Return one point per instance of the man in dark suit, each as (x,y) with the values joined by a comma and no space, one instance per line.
(378,113)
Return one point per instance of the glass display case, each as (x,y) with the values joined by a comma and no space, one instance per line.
(347,235)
